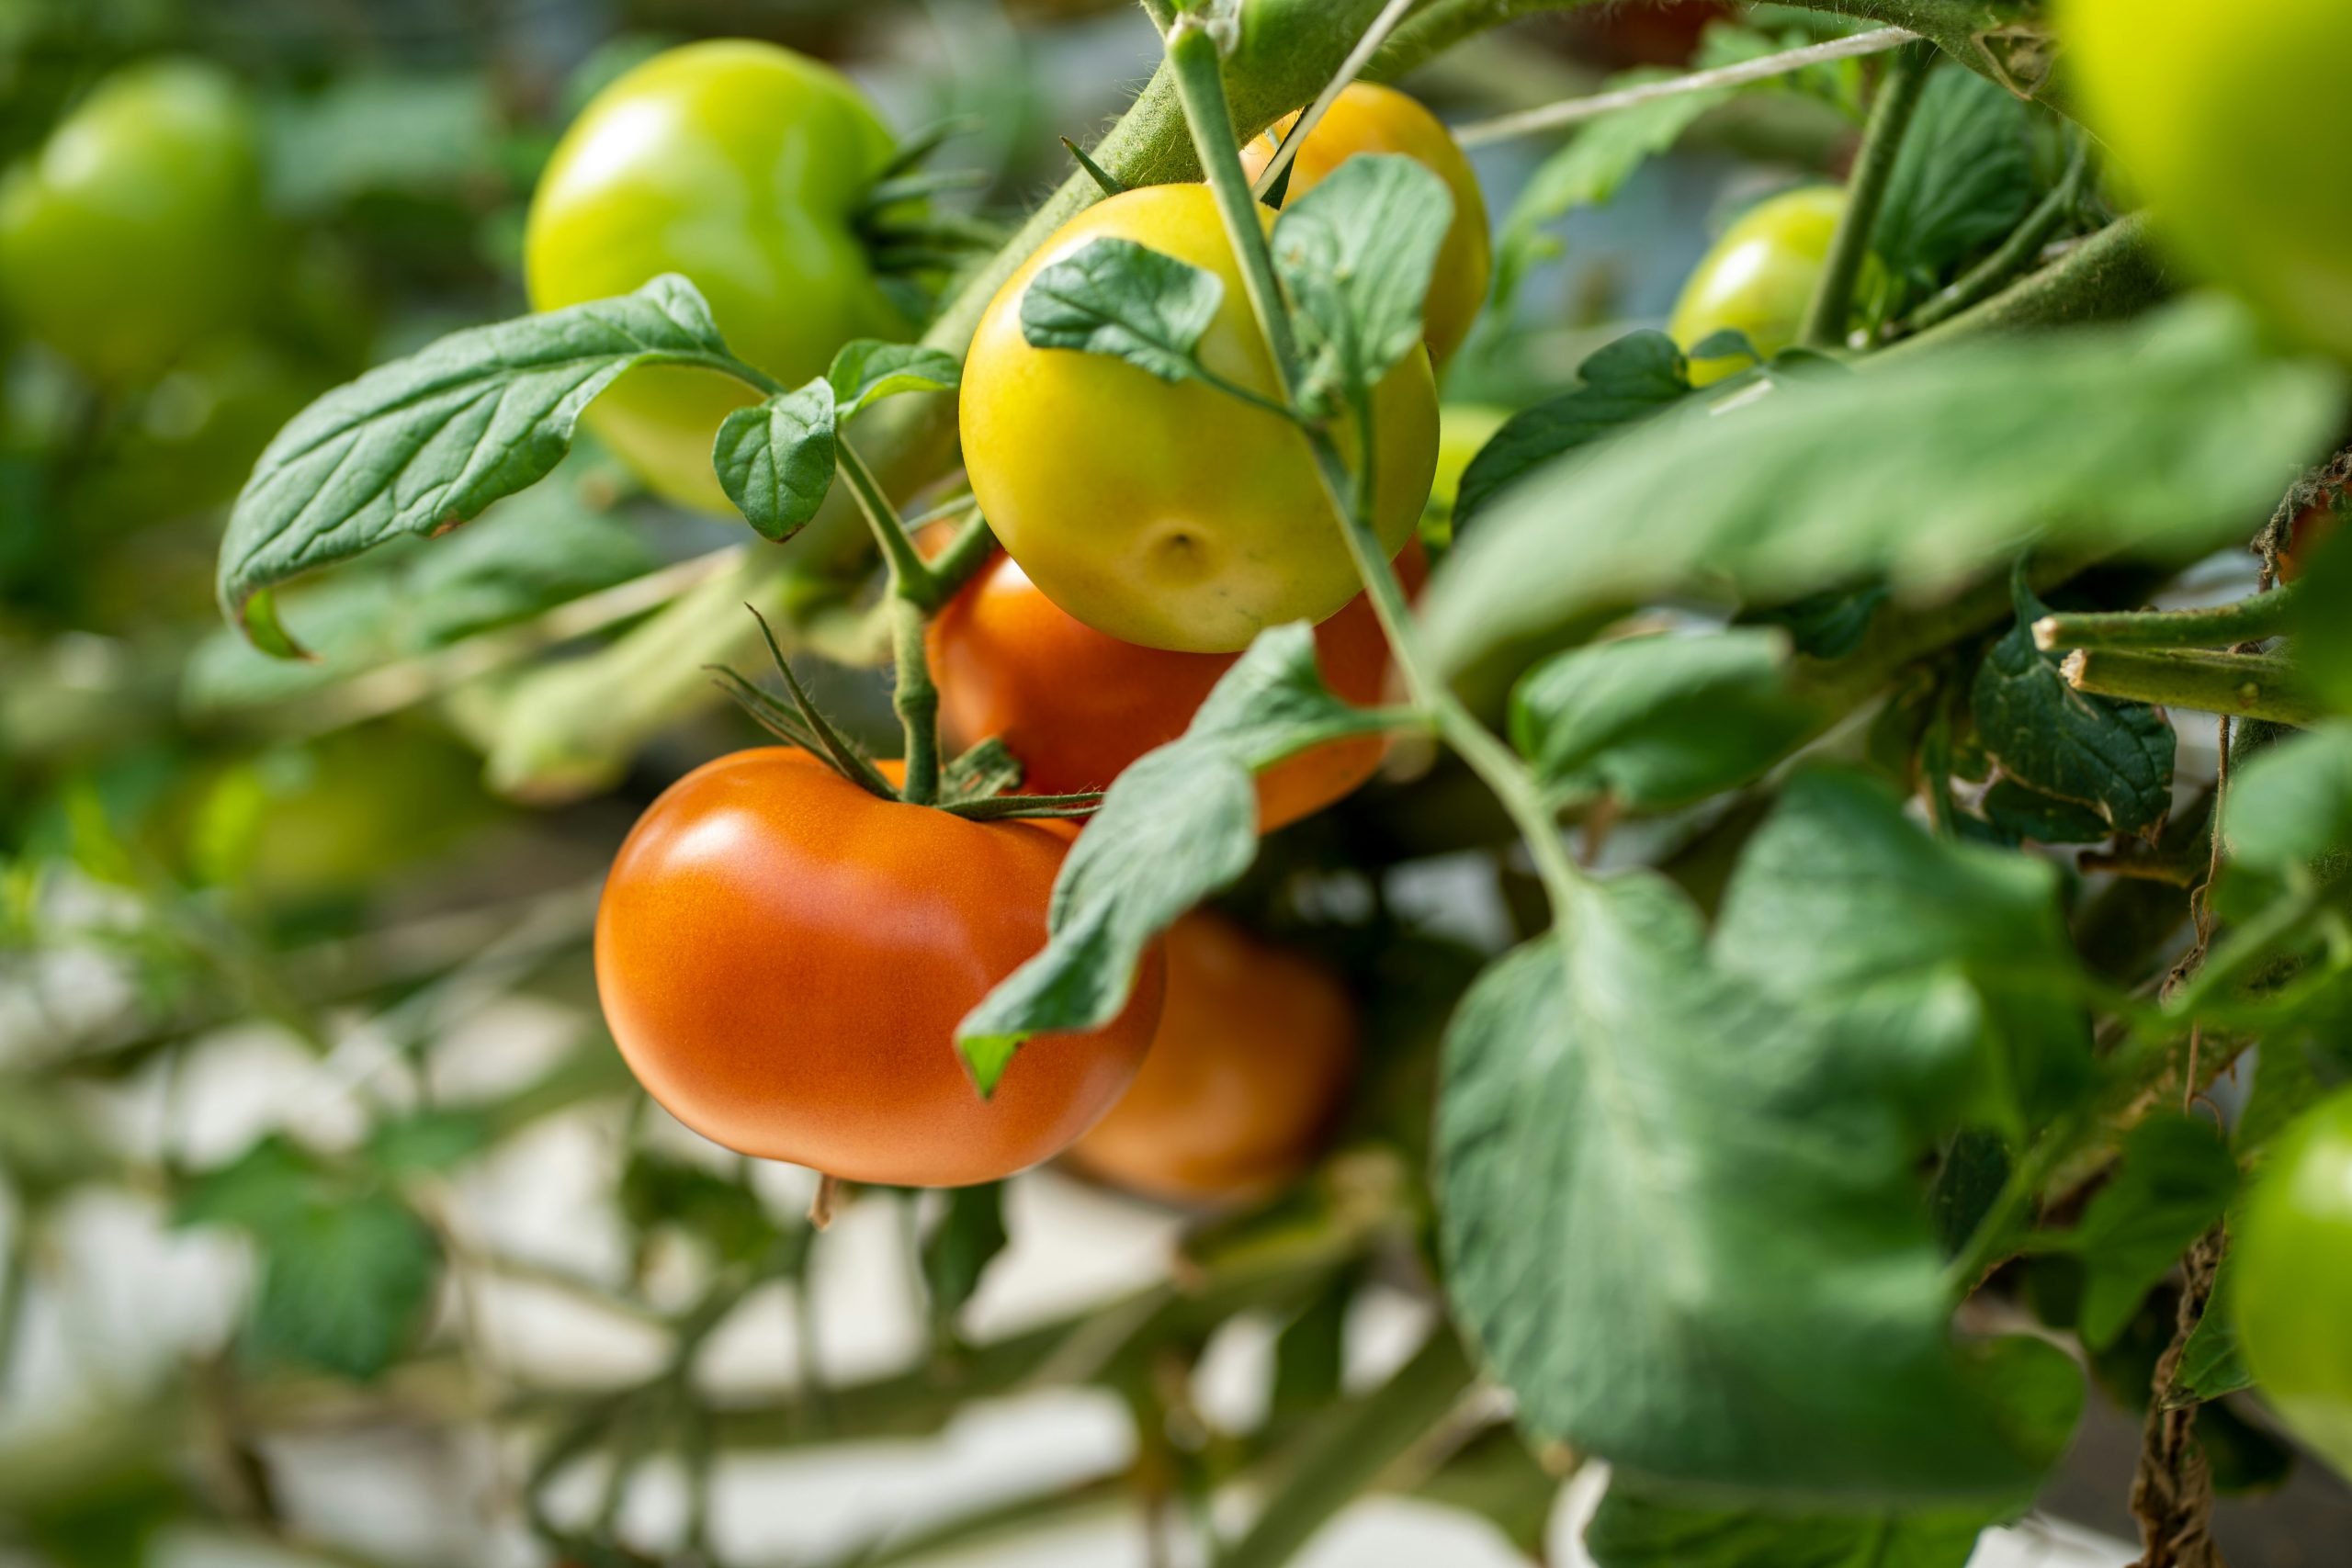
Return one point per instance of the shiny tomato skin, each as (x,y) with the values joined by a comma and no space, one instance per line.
(138,230)
(1367,117)
(1256,1051)
(1078,706)
(1758,279)
(741,165)
(2232,124)
(783,959)
(2292,1291)
(1171,515)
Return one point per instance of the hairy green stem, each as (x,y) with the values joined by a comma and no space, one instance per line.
(2016,253)
(915,591)
(2245,686)
(2115,273)
(2252,619)
(1898,98)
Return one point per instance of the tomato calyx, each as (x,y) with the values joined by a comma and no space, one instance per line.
(978,785)
(902,236)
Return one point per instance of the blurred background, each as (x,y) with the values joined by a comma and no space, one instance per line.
(332,1229)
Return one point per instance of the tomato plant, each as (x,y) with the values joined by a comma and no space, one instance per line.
(1759,278)
(1076,706)
(1371,119)
(746,168)
(1776,997)
(2222,127)
(137,231)
(1169,513)
(783,959)
(1256,1050)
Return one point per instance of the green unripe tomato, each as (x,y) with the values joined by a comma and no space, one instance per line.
(137,229)
(2292,1297)
(2231,121)
(741,165)
(1758,279)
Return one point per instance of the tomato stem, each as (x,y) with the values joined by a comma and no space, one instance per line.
(1199,85)
(915,591)
(2248,620)
(1898,98)
(2016,253)
(1192,60)
(2245,686)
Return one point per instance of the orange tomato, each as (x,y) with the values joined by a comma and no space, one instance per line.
(1257,1048)
(1078,706)
(784,957)
(1366,118)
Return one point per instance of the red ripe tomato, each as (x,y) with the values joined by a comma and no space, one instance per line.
(783,958)
(1256,1050)
(1078,706)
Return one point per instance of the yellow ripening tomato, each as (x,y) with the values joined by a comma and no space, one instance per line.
(1366,118)
(1173,515)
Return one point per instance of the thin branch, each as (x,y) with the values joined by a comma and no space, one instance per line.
(1898,98)
(2253,619)
(2246,685)
(1575,112)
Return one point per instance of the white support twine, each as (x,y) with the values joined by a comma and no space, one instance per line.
(1574,111)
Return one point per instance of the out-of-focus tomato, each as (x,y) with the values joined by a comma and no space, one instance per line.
(1257,1048)
(138,230)
(783,958)
(1077,706)
(2292,1297)
(1172,515)
(743,166)
(1758,279)
(1365,118)
(2233,124)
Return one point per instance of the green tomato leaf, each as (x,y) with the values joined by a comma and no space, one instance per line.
(264,1187)
(2177,1176)
(1952,957)
(428,1140)
(1962,179)
(2033,817)
(1622,384)
(2289,808)
(2163,434)
(726,1216)
(1356,253)
(776,459)
(1656,722)
(1117,297)
(1686,1232)
(1640,1525)
(2211,1363)
(1177,826)
(2108,755)
(345,1286)
(867,369)
(961,1247)
(423,443)
(1827,624)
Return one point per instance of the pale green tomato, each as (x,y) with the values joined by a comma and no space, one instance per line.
(2232,121)
(137,231)
(1758,279)
(741,165)
(2292,1296)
